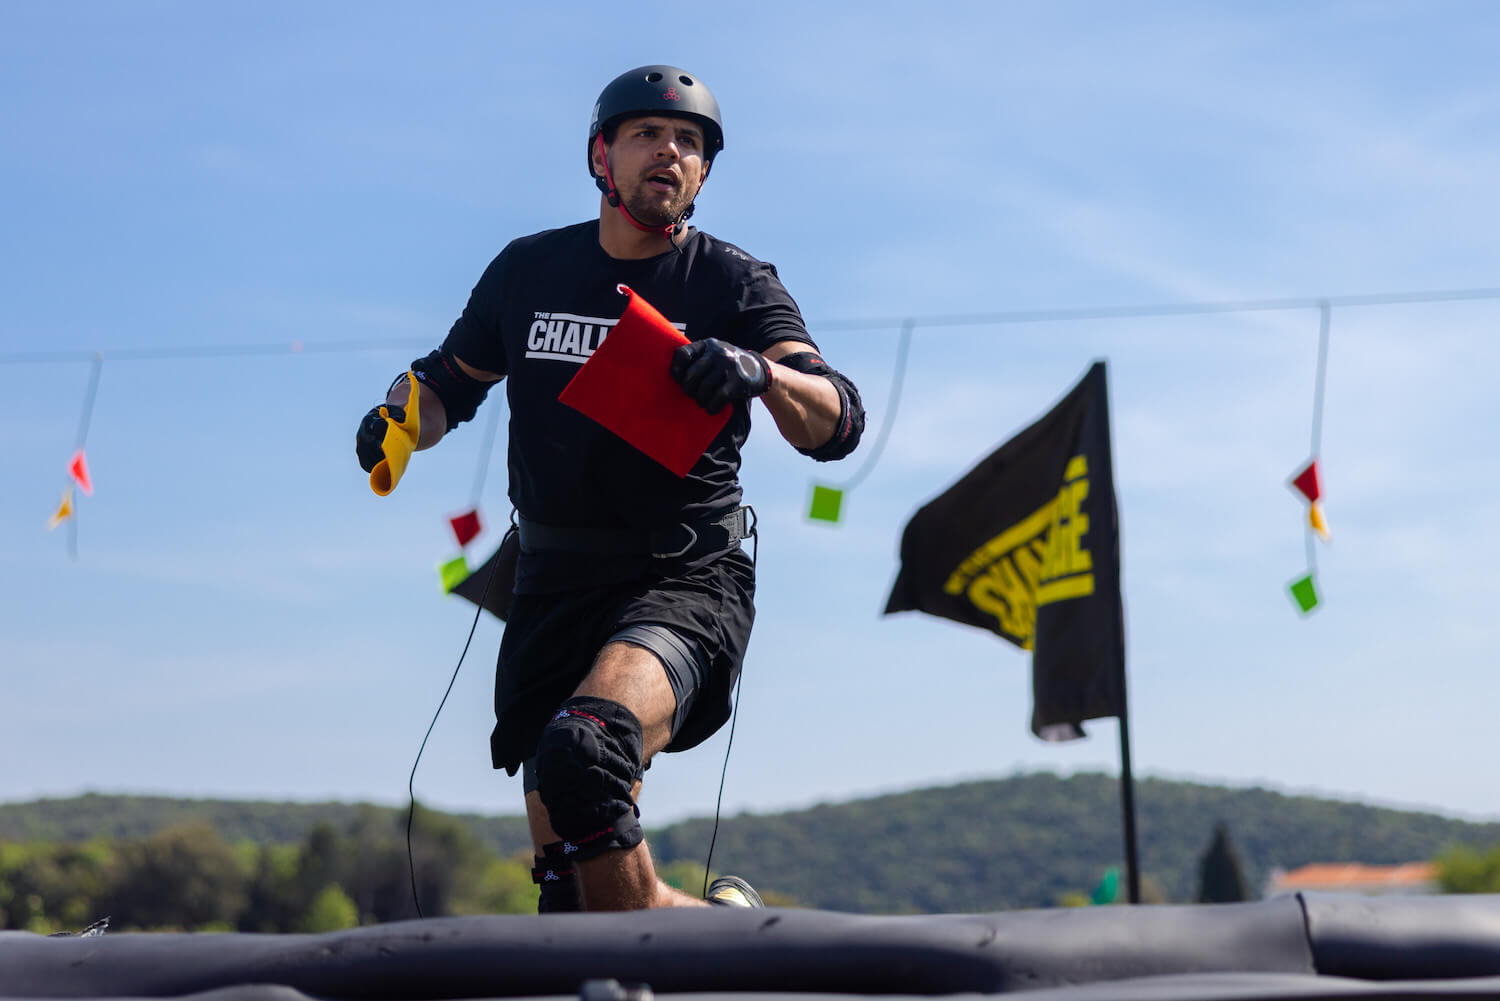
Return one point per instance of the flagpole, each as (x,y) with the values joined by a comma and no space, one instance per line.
(1127,804)
(1127,778)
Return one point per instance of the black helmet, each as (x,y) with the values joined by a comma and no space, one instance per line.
(658,90)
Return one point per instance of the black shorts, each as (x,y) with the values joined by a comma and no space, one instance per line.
(551,640)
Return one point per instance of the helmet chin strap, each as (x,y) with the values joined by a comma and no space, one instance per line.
(612,196)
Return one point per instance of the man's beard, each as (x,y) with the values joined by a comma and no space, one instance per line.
(649,210)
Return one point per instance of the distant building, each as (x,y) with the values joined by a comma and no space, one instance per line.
(1352,877)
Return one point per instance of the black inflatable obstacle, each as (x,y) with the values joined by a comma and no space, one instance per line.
(1290,947)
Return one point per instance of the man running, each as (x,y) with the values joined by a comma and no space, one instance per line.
(633,597)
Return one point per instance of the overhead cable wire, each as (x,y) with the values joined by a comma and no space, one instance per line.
(84,420)
(190,351)
(89,396)
(1160,309)
(485,451)
(1054,315)
(903,349)
(1325,322)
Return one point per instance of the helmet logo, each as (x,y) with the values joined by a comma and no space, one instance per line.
(671,94)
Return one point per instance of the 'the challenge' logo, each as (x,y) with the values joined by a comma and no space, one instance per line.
(569,337)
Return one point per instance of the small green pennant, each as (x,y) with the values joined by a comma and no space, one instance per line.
(826,502)
(453,573)
(1304,593)
(1108,888)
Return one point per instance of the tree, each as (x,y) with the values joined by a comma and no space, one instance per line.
(47,888)
(686,875)
(331,910)
(447,855)
(503,886)
(184,877)
(274,898)
(1221,877)
(1462,869)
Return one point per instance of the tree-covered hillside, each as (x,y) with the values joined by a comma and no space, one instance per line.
(1026,841)
(128,818)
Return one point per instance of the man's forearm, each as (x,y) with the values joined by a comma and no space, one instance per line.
(805,407)
(429,409)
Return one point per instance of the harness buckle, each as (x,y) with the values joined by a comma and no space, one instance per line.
(692,541)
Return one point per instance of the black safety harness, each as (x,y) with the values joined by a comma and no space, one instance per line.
(686,540)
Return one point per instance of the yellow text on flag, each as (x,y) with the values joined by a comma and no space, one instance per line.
(1039,560)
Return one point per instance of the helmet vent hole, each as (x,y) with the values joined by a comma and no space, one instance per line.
(653,77)
(686,81)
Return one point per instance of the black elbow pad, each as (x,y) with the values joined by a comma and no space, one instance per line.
(851,422)
(460,393)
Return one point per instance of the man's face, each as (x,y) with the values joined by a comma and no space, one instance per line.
(657,161)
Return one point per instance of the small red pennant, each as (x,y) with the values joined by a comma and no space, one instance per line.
(1306,482)
(78,469)
(465,526)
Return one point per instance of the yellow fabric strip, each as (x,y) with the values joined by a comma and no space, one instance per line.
(400,441)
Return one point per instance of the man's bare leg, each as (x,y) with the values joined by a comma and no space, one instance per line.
(542,833)
(625,879)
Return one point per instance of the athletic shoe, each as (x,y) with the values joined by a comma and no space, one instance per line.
(731,891)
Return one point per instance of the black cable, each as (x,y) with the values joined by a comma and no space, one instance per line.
(734,717)
(411,780)
(483,467)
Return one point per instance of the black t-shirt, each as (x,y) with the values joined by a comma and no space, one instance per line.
(538,312)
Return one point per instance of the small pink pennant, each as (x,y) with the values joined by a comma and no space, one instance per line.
(78,469)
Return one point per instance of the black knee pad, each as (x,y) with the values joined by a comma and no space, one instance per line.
(587,759)
(557,882)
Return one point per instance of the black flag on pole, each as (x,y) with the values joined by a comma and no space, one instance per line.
(492,587)
(1027,546)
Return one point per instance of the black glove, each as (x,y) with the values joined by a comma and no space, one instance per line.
(715,373)
(371,434)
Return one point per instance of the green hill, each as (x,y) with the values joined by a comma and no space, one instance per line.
(1026,841)
(979,846)
(130,818)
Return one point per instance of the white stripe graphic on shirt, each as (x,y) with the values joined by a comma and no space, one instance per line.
(554,356)
(569,337)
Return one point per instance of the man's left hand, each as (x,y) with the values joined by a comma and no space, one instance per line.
(715,373)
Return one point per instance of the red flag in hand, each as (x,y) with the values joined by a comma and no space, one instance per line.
(627,386)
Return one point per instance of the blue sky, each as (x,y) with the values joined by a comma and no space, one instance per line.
(247,619)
